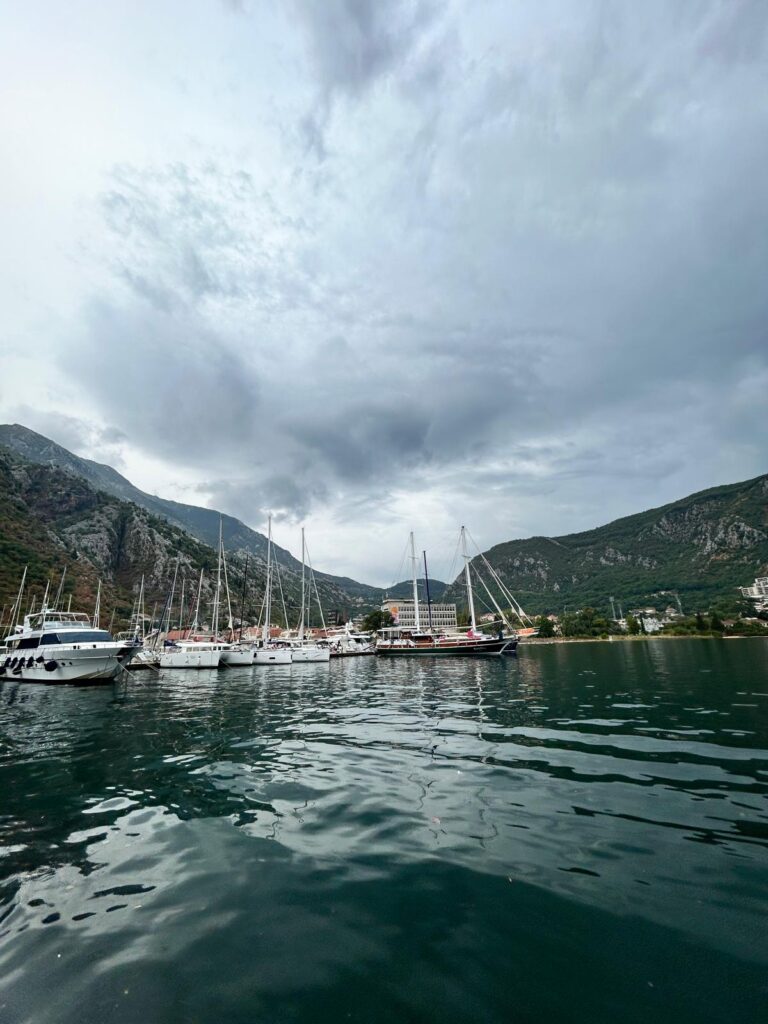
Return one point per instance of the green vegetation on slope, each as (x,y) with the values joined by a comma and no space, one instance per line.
(702,547)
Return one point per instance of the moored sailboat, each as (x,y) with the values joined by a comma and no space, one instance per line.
(268,653)
(233,653)
(195,651)
(302,649)
(396,642)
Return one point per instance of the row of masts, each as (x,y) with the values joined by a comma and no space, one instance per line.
(55,606)
(138,618)
(308,584)
(514,605)
(414,564)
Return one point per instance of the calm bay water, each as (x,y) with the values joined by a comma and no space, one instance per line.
(578,834)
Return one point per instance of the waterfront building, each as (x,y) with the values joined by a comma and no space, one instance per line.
(758,593)
(403,612)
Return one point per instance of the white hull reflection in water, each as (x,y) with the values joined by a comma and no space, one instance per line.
(576,835)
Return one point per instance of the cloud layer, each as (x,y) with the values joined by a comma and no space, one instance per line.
(415,264)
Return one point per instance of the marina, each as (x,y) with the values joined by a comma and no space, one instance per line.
(193,648)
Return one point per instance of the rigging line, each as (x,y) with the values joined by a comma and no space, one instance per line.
(242,597)
(505,591)
(282,596)
(229,599)
(449,579)
(501,613)
(514,603)
(261,610)
(60,591)
(313,583)
(17,603)
(400,568)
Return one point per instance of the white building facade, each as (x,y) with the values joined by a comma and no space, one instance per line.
(758,593)
(403,612)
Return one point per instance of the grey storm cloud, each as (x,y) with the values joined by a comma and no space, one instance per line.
(530,258)
(352,44)
(167,381)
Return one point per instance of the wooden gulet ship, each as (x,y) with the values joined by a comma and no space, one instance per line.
(419,643)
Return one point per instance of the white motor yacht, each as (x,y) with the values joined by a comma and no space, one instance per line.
(346,643)
(63,647)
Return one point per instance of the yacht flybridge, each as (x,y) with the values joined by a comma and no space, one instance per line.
(398,642)
(63,647)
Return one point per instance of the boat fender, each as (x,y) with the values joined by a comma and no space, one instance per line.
(12,663)
(17,670)
(51,666)
(30,661)
(39,659)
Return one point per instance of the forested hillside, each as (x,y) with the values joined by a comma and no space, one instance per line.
(703,547)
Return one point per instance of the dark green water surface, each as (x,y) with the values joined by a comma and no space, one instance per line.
(578,834)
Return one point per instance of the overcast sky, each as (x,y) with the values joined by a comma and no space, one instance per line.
(391,265)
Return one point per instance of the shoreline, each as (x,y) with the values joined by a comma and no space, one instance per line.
(539,641)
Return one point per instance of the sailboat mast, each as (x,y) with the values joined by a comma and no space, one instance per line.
(242,598)
(230,620)
(97,609)
(197,603)
(140,610)
(415,586)
(60,591)
(17,603)
(426,586)
(468,578)
(167,618)
(268,592)
(303,588)
(217,595)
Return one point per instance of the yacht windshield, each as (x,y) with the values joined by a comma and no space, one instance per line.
(77,636)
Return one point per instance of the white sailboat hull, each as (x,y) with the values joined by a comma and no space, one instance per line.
(188,658)
(280,656)
(238,656)
(310,653)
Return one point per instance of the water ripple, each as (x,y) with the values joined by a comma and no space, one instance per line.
(340,840)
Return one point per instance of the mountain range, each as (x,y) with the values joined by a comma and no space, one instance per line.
(59,509)
(700,548)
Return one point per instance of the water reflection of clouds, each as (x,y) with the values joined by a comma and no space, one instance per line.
(368,768)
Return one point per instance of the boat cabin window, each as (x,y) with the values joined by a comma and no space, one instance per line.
(78,636)
(26,643)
